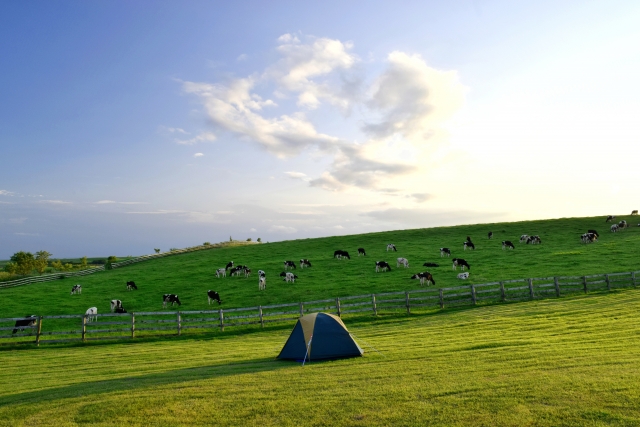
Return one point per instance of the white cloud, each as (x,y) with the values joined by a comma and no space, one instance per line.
(198,155)
(6,193)
(242,57)
(282,229)
(172,130)
(55,202)
(203,137)
(253,230)
(297,175)
(109,202)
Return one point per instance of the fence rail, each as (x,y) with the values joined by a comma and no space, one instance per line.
(78,327)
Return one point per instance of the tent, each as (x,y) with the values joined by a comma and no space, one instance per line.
(319,336)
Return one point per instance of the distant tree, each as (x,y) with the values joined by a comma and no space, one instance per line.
(173,249)
(157,251)
(11,267)
(206,244)
(24,262)
(83,262)
(259,240)
(230,239)
(68,266)
(249,239)
(112,258)
(57,265)
(41,261)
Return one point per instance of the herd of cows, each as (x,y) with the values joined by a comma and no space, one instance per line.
(380,266)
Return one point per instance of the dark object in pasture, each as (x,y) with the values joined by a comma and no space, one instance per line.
(27,321)
(305,263)
(261,273)
(229,265)
(361,252)
(507,244)
(288,264)
(468,239)
(120,310)
(170,298)
(382,266)
(430,264)
(262,283)
(340,254)
(77,289)
(283,274)
(468,244)
(459,262)
(247,271)
(589,238)
(610,218)
(131,285)
(623,224)
(534,240)
(634,212)
(391,247)
(593,232)
(290,277)
(213,296)
(490,235)
(115,303)
(445,252)
(424,277)
(236,271)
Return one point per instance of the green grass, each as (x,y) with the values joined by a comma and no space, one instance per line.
(559,362)
(191,275)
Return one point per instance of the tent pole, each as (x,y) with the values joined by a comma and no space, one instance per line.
(307,352)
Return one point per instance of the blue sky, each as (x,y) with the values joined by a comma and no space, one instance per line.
(126,126)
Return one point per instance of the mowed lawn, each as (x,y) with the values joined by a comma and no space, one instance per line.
(191,275)
(567,361)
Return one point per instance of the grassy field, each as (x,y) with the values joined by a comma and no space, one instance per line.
(560,362)
(191,275)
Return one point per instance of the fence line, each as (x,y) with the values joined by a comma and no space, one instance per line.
(78,327)
(91,270)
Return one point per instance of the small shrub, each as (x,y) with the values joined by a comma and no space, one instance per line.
(249,239)
(259,240)
(5,276)
(157,250)
(112,258)
(173,249)
(206,244)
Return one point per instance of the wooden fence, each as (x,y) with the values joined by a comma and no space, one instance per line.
(79,327)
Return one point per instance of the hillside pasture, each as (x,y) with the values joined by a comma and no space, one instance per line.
(191,275)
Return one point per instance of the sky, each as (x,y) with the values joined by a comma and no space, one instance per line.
(128,126)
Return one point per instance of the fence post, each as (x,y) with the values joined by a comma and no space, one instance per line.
(503,295)
(584,283)
(84,327)
(179,320)
(406,298)
(473,294)
(531,288)
(261,318)
(133,325)
(606,277)
(338,307)
(441,298)
(221,316)
(375,306)
(633,278)
(301,309)
(557,285)
(39,331)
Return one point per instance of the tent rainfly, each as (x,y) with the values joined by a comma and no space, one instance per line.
(319,336)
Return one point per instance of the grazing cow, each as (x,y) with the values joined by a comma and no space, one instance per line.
(288,264)
(593,232)
(170,298)
(77,289)
(424,277)
(445,251)
(610,218)
(490,235)
(361,252)
(247,272)
(22,324)
(463,275)
(262,283)
(261,273)
(589,238)
(460,262)
(91,314)
(430,264)
(391,247)
(634,212)
(382,265)
(614,228)
(402,261)
(523,238)
(468,244)
(236,271)
(290,277)
(131,285)
(115,303)
(221,272)
(340,254)
(120,310)
(623,224)
(229,265)
(213,296)
(305,263)
(534,240)
(507,244)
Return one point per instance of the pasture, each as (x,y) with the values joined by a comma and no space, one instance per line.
(191,275)
(559,362)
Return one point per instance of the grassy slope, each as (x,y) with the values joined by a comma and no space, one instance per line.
(569,361)
(191,275)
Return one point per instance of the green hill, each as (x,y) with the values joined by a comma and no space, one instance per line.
(191,275)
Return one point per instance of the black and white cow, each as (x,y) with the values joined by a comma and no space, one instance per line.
(288,264)
(507,244)
(524,238)
(236,271)
(305,263)
(340,254)
(25,323)
(593,232)
(77,289)
(534,240)
(261,273)
(402,261)
(490,235)
(229,265)
(382,266)
(391,247)
(361,252)
(623,224)
(634,212)
(468,244)
(170,298)
(459,262)
(464,275)
(213,296)
(424,277)
(91,314)
(131,285)
(610,218)
(247,271)
(290,277)
(589,238)
(262,283)
(614,228)
(445,252)
(115,303)
(430,264)
(221,272)
(120,310)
